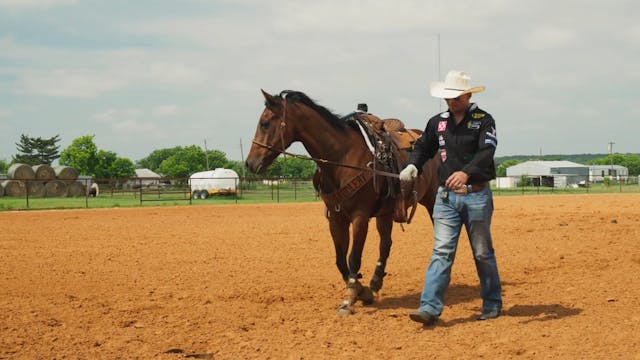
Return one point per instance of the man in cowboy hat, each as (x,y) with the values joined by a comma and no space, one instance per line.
(465,135)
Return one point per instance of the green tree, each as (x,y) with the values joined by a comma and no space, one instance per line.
(630,161)
(109,165)
(104,163)
(153,161)
(501,169)
(216,159)
(122,168)
(37,150)
(82,155)
(3,167)
(291,167)
(183,163)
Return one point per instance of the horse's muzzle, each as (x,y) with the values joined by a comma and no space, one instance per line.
(254,166)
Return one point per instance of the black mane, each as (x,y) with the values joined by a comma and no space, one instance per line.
(296,96)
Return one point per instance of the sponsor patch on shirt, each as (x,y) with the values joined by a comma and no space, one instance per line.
(443,155)
(477,115)
(490,137)
(473,124)
(491,142)
(441,140)
(442,126)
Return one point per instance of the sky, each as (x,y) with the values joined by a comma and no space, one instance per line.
(561,77)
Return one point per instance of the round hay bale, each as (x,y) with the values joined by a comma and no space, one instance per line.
(21,171)
(66,173)
(35,188)
(14,188)
(56,188)
(44,172)
(76,189)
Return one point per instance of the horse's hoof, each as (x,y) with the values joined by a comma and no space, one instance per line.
(345,312)
(366,295)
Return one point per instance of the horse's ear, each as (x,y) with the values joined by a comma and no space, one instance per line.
(270,100)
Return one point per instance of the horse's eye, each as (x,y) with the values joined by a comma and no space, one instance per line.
(264,125)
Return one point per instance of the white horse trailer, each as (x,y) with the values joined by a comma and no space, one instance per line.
(213,182)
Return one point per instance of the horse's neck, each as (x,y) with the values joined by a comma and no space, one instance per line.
(322,141)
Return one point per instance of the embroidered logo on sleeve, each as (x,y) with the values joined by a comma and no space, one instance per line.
(477,115)
(443,155)
(441,140)
(442,126)
(491,138)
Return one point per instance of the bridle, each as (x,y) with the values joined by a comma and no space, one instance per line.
(283,125)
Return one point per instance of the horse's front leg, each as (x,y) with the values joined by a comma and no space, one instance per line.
(384,225)
(339,228)
(355,291)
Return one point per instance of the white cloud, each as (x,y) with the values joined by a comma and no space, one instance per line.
(133,127)
(409,105)
(550,37)
(206,62)
(88,74)
(127,121)
(171,73)
(35,3)
(68,83)
(632,35)
(165,110)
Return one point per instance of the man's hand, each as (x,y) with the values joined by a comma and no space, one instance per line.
(409,173)
(457,180)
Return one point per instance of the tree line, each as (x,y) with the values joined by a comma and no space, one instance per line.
(176,162)
(180,162)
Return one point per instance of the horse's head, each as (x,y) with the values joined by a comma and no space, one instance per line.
(272,135)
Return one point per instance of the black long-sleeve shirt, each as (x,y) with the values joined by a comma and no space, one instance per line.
(468,146)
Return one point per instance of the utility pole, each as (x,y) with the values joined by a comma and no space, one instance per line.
(439,78)
(206,153)
(242,157)
(611,157)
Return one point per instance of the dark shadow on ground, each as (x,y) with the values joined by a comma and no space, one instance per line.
(456,294)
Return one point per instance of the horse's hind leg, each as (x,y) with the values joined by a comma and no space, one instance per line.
(384,225)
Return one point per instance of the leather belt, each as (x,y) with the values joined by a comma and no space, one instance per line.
(477,187)
(471,188)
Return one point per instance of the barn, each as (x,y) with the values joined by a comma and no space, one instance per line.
(551,173)
(146,178)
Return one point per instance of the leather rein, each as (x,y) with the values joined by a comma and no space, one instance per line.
(329,162)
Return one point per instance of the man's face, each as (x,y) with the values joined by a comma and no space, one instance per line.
(459,104)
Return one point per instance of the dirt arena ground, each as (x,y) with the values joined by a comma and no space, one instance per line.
(259,282)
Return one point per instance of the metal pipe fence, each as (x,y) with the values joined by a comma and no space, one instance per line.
(130,192)
(126,192)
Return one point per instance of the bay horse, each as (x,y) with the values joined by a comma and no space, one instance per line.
(341,154)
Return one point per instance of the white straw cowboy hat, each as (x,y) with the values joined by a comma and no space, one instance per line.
(455,84)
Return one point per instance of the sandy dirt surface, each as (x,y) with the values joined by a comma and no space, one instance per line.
(259,282)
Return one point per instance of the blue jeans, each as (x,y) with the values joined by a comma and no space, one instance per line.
(474,210)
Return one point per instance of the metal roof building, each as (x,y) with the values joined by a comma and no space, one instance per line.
(551,173)
(599,172)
